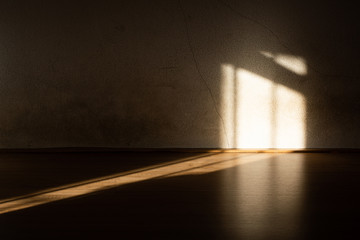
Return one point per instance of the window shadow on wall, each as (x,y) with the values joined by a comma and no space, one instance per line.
(283,83)
(228,74)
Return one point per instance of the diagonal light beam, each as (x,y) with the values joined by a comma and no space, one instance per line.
(198,165)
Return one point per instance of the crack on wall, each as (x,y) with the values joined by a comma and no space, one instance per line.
(278,39)
(203,80)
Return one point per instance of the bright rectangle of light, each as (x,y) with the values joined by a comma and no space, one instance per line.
(254,111)
(260,113)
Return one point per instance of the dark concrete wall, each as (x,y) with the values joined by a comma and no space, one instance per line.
(148,73)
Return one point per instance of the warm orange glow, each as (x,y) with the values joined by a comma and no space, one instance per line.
(199,165)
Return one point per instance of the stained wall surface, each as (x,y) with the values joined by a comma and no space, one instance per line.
(217,73)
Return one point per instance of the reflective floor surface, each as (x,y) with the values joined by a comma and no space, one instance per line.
(168,195)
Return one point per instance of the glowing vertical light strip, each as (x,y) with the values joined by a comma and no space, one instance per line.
(254,111)
(290,118)
(227,105)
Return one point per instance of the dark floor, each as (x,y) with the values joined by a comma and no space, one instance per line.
(218,196)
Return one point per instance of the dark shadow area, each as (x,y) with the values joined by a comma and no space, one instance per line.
(290,196)
(332,196)
(109,74)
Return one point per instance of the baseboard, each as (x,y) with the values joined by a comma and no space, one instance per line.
(189,150)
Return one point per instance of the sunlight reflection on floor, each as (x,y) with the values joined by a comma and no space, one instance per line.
(188,166)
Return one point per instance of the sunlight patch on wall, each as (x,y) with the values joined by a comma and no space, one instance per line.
(290,118)
(295,64)
(254,110)
(259,113)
